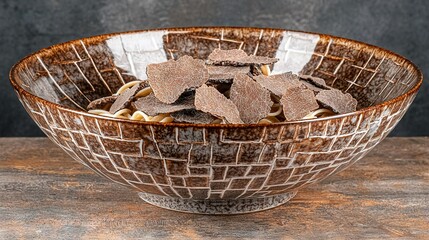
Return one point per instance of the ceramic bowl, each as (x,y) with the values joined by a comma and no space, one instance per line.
(214,168)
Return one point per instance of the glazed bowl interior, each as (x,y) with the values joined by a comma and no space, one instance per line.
(77,72)
(214,168)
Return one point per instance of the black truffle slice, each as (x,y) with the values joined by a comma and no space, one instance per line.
(337,101)
(170,79)
(225,74)
(221,87)
(237,57)
(298,102)
(279,83)
(192,116)
(124,99)
(311,86)
(101,102)
(152,106)
(210,100)
(315,81)
(252,100)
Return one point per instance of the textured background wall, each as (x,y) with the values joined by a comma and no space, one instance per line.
(26,26)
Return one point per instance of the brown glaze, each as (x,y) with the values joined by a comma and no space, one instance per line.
(212,161)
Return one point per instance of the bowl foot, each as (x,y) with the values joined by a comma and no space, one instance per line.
(217,206)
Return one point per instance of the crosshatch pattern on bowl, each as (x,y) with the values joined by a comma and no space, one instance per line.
(217,162)
(202,163)
(83,70)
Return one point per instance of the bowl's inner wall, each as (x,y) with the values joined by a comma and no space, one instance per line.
(75,73)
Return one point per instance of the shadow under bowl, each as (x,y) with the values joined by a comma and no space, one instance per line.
(214,168)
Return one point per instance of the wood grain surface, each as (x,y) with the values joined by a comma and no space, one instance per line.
(44,194)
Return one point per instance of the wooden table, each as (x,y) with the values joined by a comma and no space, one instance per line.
(45,194)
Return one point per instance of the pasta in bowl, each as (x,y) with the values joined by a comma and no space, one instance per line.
(234,155)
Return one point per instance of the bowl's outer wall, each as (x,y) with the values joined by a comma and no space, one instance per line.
(216,162)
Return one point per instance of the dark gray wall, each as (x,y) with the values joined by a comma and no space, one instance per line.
(26,26)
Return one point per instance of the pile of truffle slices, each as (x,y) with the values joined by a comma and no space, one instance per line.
(230,85)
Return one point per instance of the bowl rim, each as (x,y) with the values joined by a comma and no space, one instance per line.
(18,88)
